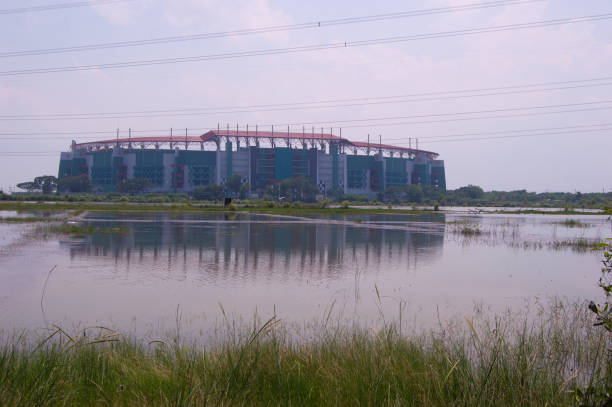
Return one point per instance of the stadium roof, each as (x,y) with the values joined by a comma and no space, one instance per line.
(209,136)
(214,136)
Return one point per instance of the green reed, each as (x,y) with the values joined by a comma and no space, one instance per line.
(487,361)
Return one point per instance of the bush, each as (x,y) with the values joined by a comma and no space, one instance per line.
(244,191)
(414,194)
(134,186)
(79,183)
(298,189)
(234,184)
(209,193)
(356,198)
(394,194)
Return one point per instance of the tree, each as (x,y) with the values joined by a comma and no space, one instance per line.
(244,191)
(134,186)
(470,192)
(209,192)
(29,186)
(45,184)
(78,183)
(272,191)
(48,183)
(298,189)
(394,194)
(433,193)
(234,183)
(414,193)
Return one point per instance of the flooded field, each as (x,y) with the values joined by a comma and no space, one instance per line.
(154,269)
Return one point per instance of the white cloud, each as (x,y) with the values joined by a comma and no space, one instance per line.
(121,14)
(223,15)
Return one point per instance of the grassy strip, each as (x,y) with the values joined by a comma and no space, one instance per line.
(490,364)
(71,229)
(29,219)
(194,208)
(284,209)
(559,212)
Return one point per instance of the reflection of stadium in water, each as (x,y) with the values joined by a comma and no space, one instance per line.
(249,247)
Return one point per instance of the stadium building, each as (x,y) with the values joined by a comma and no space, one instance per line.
(181,164)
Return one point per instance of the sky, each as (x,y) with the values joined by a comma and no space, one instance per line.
(506,109)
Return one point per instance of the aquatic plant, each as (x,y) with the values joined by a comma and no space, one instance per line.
(465,227)
(598,392)
(573,223)
(580,244)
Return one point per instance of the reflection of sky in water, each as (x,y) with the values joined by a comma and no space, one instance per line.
(296,265)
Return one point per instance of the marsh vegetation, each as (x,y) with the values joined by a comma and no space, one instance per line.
(504,360)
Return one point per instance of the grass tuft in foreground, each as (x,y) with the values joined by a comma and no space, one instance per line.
(497,362)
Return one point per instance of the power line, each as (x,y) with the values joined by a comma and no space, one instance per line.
(347,122)
(60,6)
(539,130)
(307,48)
(460,119)
(573,132)
(270,29)
(486,111)
(324,104)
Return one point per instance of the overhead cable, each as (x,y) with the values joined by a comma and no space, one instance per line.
(325,104)
(59,6)
(269,29)
(308,48)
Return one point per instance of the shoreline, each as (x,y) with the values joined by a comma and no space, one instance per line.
(295,208)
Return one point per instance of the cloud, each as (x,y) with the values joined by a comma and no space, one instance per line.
(224,15)
(122,14)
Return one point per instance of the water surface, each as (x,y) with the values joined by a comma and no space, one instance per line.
(299,267)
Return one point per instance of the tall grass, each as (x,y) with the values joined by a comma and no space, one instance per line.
(484,362)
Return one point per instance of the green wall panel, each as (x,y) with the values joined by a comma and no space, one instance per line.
(333,149)
(65,169)
(228,151)
(395,172)
(421,174)
(282,163)
(438,177)
(197,158)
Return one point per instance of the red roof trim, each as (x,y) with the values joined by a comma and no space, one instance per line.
(268,134)
(213,134)
(389,147)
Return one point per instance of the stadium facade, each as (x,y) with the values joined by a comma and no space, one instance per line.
(181,164)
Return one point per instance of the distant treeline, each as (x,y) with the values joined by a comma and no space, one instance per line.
(473,195)
(299,190)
